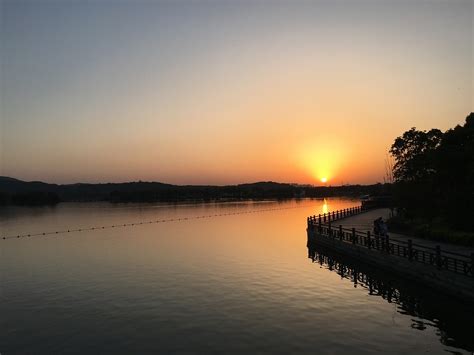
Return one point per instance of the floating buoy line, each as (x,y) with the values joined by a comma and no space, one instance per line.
(178,219)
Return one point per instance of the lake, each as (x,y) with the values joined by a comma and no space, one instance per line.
(204,278)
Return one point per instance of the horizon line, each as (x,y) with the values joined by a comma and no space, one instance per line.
(202,185)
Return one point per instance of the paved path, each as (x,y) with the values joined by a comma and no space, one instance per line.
(365,222)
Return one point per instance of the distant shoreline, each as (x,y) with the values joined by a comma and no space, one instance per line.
(180,203)
(17,192)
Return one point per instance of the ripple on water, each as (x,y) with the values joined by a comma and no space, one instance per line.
(238,283)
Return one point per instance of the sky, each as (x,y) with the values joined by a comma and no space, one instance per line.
(225,92)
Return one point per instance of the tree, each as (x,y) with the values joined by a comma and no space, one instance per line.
(413,153)
(454,162)
(388,177)
(434,174)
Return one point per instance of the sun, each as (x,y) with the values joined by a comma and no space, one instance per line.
(324,180)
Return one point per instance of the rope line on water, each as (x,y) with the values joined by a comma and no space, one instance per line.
(65,231)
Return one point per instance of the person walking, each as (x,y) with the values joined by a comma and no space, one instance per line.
(377,226)
(383,228)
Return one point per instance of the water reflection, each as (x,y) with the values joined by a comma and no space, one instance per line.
(453,321)
(235,283)
(325,206)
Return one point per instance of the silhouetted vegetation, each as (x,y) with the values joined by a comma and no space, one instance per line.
(35,198)
(14,191)
(434,182)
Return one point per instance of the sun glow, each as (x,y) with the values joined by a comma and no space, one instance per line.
(323,159)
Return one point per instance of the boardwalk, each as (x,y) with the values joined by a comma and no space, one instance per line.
(364,222)
(441,266)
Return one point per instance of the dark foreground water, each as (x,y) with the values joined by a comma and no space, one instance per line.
(240,283)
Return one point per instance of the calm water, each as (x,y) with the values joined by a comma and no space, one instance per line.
(237,283)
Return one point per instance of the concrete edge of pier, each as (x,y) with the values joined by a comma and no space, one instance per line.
(455,284)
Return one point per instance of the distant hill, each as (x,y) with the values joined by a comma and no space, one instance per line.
(17,192)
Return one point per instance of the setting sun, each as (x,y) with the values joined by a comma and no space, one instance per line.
(266,143)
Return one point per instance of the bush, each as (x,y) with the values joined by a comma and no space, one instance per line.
(437,230)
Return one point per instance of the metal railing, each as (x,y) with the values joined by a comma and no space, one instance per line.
(335,215)
(442,259)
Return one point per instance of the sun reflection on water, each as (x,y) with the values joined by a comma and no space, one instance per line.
(325,206)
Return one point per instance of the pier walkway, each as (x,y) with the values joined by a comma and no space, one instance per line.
(442,266)
(365,222)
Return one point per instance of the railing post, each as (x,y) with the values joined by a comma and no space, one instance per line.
(337,214)
(333,215)
(369,242)
(387,245)
(353,236)
(340,232)
(410,250)
(472,264)
(324,217)
(438,256)
(319,223)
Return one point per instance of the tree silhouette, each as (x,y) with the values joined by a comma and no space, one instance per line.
(434,174)
(413,153)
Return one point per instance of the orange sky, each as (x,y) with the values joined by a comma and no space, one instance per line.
(226,93)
